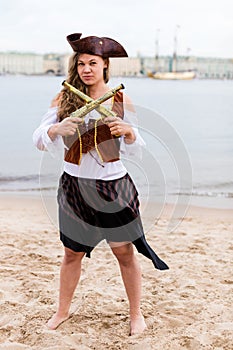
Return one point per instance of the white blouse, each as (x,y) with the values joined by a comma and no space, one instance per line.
(91,166)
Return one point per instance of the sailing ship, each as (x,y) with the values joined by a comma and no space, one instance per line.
(180,75)
(172,74)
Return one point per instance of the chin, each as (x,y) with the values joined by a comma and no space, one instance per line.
(88,83)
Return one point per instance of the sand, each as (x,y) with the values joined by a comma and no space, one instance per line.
(186,307)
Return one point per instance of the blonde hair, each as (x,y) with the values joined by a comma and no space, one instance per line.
(69,101)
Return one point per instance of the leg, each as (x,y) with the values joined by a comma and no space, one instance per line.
(131,275)
(69,277)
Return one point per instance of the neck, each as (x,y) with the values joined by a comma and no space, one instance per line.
(95,91)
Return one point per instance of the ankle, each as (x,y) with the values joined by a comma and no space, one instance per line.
(60,313)
(136,315)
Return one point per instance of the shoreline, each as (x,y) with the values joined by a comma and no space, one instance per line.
(224,204)
(188,306)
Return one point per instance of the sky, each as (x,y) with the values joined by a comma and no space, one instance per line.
(204,27)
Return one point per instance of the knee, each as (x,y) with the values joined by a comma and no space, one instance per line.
(71,256)
(124,254)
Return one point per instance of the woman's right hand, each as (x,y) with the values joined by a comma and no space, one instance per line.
(67,127)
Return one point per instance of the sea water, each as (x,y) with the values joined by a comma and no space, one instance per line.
(187,127)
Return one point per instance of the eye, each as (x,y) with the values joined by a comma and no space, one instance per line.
(80,64)
(93,63)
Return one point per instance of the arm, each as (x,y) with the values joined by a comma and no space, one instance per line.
(119,127)
(132,148)
(41,138)
(131,140)
(48,136)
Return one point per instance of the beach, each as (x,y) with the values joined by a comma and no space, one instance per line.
(188,306)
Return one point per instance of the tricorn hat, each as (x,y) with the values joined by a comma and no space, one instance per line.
(94,45)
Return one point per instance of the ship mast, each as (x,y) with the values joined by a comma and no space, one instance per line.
(157,51)
(174,60)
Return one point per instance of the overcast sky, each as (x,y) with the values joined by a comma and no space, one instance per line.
(205,26)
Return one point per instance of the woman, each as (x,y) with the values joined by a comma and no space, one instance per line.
(97,198)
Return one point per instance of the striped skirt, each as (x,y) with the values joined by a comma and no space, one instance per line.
(92,210)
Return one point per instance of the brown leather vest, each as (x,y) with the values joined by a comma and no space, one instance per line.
(95,135)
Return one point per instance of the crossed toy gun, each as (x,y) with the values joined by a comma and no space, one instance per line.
(93,104)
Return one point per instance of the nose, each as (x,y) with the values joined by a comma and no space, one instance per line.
(86,68)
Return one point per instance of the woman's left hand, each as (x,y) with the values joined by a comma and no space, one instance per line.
(119,128)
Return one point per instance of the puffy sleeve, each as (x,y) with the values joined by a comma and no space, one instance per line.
(41,138)
(135,148)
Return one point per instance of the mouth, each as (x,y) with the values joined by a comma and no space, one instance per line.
(87,77)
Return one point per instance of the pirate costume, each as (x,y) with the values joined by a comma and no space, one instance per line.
(97,198)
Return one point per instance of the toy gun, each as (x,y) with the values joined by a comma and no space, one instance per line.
(93,104)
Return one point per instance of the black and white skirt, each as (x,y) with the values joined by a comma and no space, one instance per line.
(92,210)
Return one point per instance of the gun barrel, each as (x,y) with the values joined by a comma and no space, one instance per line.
(109,94)
(83,96)
(93,104)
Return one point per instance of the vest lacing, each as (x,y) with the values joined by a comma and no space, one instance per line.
(95,137)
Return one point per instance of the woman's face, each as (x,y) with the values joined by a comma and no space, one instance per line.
(90,69)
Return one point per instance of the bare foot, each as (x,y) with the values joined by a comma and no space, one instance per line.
(56,320)
(137,325)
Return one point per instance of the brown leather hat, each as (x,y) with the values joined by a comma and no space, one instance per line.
(95,45)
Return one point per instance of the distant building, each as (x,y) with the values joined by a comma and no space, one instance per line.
(20,63)
(214,68)
(52,64)
(125,66)
(57,64)
(65,63)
